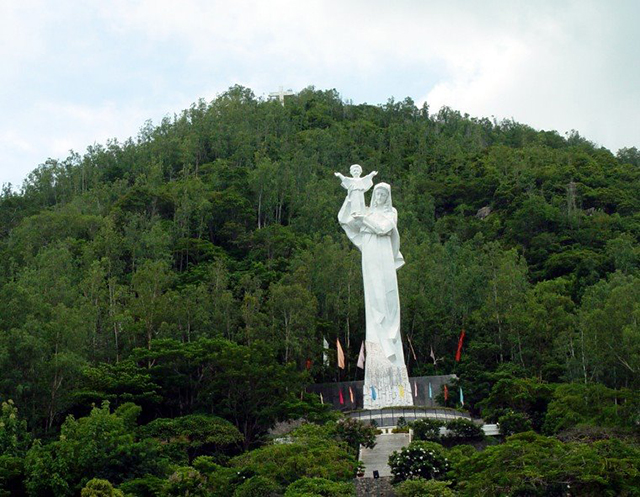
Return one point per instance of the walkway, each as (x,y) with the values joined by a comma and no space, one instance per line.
(378,457)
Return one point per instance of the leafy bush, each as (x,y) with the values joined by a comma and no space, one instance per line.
(419,460)
(311,452)
(400,429)
(100,488)
(194,434)
(221,481)
(319,487)
(420,487)
(100,445)
(257,486)
(427,429)
(14,441)
(464,430)
(535,465)
(525,395)
(147,486)
(355,433)
(185,481)
(514,422)
(14,438)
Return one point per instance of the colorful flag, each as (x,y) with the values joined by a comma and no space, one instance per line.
(373,394)
(430,391)
(325,356)
(361,356)
(340,354)
(461,397)
(341,397)
(433,356)
(401,392)
(351,396)
(446,393)
(459,351)
(321,398)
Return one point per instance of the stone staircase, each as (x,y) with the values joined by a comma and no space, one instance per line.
(376,459)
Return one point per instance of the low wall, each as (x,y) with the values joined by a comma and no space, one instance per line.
(419,390)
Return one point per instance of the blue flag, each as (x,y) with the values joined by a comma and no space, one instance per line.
(373,393)
(461,397)
(430,392)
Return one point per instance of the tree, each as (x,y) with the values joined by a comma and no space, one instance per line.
(101,445)
(194,435)
(293,311)
(609,331)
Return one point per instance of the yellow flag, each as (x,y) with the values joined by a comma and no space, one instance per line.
(401,392)
(340,354)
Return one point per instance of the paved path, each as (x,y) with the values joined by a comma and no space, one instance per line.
(378,457)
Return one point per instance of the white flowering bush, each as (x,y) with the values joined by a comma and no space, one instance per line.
(419,460)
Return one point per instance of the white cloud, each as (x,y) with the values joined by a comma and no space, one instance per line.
(84,72)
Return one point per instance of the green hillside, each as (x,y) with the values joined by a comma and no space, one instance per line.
(193,271)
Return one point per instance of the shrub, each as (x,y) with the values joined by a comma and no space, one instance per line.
(312,452)
(464,430)
(424,488)
(100,488)
(526,395)
(185,481)
(312,487)
(514,422)
(419,460)
(147,486)
(534,465)
(355,433)
(193,435)
(427,429)
(257,486)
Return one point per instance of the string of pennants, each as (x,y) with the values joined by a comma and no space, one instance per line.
(361,363)
(341,395)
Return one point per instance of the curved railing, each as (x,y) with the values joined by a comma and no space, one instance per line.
(389,416)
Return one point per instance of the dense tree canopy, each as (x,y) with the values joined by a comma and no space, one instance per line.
(195,269)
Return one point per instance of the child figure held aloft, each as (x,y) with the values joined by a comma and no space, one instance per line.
(356,186)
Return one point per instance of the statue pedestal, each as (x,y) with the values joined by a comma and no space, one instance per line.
(385,384)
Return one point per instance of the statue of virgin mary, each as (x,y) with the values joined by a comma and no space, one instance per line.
(375,233)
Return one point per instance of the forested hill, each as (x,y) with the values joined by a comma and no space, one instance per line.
(216,231)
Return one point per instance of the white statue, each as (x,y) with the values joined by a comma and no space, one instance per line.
(356,186)
(374,231)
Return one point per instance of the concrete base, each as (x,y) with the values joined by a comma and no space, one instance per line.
(385,384)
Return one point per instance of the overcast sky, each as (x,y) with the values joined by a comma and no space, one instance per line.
(76,72)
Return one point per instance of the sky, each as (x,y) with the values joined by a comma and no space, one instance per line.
(78,72)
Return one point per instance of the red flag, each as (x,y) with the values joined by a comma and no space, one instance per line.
(309,362)
(340,354)
(341,397)
(446,393)
(459,351)
(351,396)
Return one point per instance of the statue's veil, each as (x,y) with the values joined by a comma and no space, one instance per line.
(388,204)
